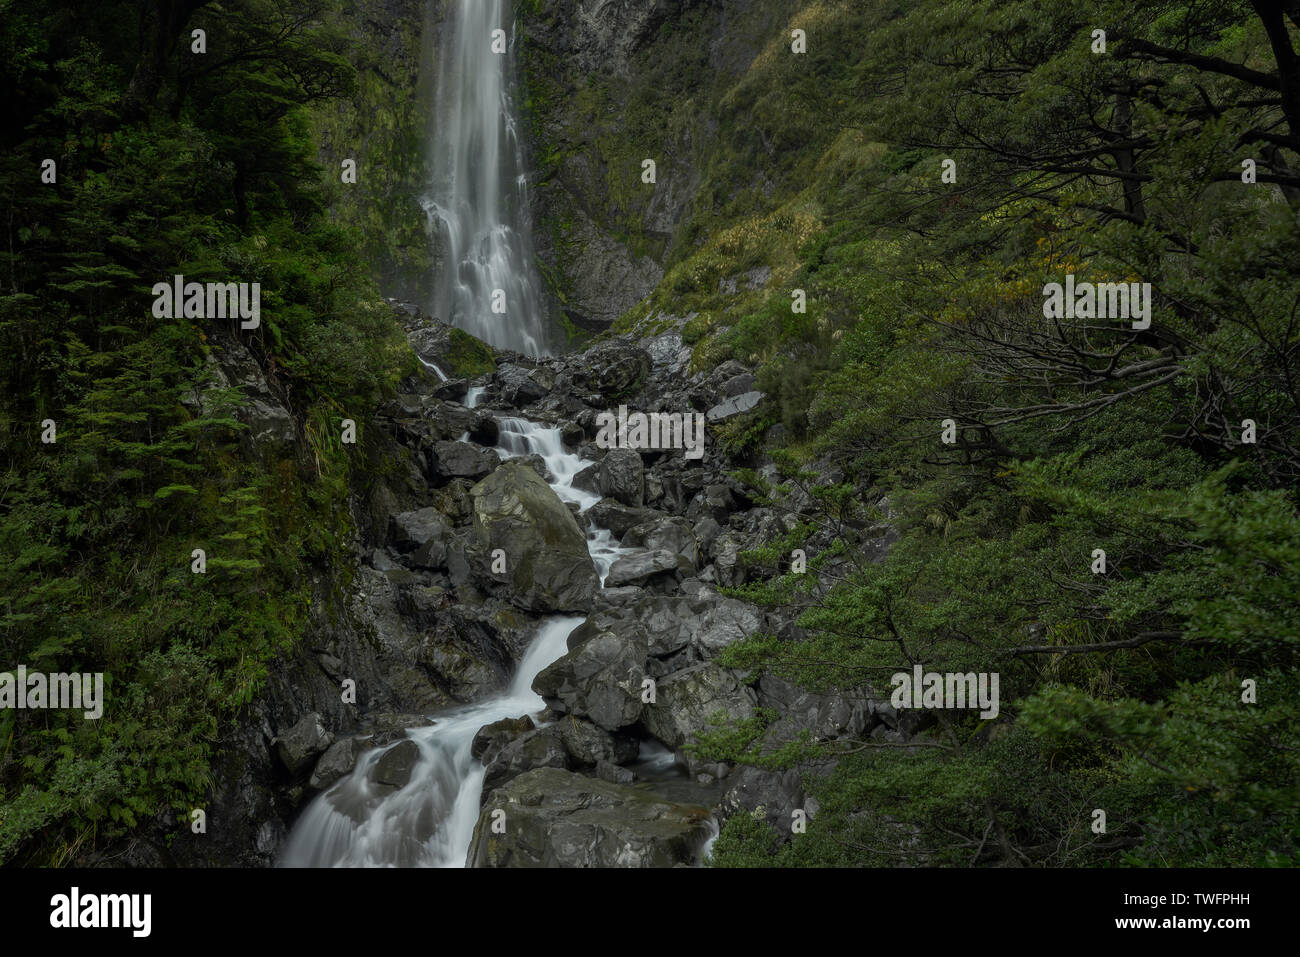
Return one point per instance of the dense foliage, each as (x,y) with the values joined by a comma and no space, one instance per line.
(1123,690)
(167,161)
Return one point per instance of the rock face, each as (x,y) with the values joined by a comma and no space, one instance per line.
(556,818)
(546,558)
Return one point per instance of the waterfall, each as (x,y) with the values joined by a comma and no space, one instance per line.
(477,203)
(429,822)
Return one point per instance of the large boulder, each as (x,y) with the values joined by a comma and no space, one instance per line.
(600,678)
(556,818)
(520,385)
(615,370)
(448,460)
(491,738)
(621,476)
(546,557)
(338,761)
(674,534)
(299,747)
(639,568)
(687,699)
(676,627)
(542,748)
(620,518)
(394,767)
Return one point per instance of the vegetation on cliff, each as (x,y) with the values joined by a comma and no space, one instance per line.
(167,161)
(1171,448)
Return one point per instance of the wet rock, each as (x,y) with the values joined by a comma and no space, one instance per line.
(448,460)
(600,678)
(620,519)
(542,748)
(547,562)
(639,567)
(385,728)
(621,476)
(588,480)
(394,767)
(561,819)
(338,761)
(492,737)
(673,534)
(298,747)
(687,699)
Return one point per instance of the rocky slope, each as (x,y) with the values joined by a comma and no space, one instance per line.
(427,621)
(424,618)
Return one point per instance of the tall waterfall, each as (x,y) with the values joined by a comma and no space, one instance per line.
(478,201)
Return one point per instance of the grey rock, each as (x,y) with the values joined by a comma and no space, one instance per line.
(394,767)
(600,677)
(560,819)
(337,762)
(621,476)
(492,737)
(613,773)
(409,530)
(542,748)
(547,562)
(298,747)
(590,745)
(449,460)
(619,518)
(673,534)
(687,699)
(640,567)
(736,405)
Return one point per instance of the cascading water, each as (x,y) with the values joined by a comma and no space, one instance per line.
(429,822)
(478,201)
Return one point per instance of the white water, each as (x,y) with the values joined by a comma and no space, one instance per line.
(520,437)
(478,202)
(442,376)
(430,821)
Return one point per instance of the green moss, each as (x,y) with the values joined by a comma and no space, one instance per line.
(468,357)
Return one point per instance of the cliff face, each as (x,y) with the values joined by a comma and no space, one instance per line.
(611,84)
(383,128)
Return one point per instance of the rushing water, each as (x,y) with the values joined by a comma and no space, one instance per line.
(430,821)
(478,201)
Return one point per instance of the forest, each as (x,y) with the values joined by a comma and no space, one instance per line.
(1099,505)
